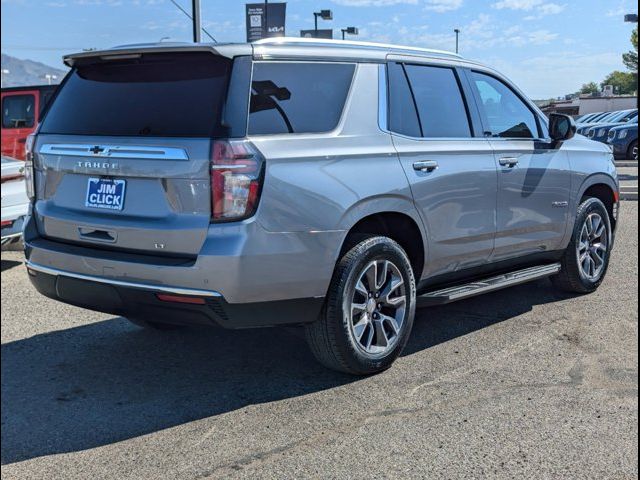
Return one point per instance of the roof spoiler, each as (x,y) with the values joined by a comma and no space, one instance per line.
(134,51)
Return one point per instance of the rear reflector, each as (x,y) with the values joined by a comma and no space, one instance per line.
(180,299)
(6,223)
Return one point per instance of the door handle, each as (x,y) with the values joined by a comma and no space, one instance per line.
(508,161)
(97,235)
(425,166)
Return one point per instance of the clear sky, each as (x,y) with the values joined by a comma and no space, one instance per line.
(548,47)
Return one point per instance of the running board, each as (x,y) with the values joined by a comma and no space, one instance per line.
(460,292)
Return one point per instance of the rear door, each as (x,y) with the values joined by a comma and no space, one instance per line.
(450,166)
(19,111)
(534,181)
(123,154)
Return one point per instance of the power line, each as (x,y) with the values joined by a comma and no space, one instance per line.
(191,18)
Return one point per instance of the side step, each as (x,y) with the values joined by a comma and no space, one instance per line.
(460,292)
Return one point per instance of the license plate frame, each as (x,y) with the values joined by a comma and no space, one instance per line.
(105,193)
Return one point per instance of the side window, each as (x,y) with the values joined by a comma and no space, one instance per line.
(298,97)
(439,101)
(18,111)
(403,117)
(504,112)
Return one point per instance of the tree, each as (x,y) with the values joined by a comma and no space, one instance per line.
(624,83)
(589,88)
(630,58)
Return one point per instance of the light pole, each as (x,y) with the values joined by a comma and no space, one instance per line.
(195,13)
(350,31)
(324,15)
(457,30)
(50,77)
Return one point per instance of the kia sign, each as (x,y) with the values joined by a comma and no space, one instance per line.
(258,28)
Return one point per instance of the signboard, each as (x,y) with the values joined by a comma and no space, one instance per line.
(320,33)
(260,27)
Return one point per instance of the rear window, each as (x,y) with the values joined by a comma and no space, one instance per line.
(18,111)
(298,97)
(157,95)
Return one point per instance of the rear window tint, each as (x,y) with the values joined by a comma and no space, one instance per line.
(438,97)
(403,117)
(18,111)
(298,97)
(157,95)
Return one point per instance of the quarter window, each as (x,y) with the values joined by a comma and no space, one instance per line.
(439,101)
(426,101)
(504,112)
(18,111)
(298,97)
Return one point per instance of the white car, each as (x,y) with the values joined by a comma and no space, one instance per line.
(15,203)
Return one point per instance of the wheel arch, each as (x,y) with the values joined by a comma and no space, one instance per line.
(605,189)
(401,227)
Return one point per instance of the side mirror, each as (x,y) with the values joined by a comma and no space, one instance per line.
(561,127)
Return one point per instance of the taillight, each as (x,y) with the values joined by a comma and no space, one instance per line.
(236,180)
(29,176)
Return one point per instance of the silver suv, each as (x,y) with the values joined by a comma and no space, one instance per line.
(319,183)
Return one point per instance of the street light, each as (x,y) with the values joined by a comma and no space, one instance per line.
(50,77)
(324,15)
(457,30)
(350,31)
(631,18)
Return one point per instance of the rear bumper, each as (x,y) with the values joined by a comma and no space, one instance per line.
(140,300)
(13,229)
(242,262)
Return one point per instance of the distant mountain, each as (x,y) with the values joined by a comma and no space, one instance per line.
(27,72)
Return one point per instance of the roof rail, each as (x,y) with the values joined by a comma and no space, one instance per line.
(349,43)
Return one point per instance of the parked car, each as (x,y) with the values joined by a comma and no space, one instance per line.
(607,118)
(22,108)
(15,203)
(586,117)
(599,132)
(319,183)
(624,141)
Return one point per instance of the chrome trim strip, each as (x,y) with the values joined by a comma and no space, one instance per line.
(120,283)
(114,151)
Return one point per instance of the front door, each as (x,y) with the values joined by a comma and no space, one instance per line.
(534,178)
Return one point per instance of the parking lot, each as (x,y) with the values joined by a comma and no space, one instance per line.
(525,382)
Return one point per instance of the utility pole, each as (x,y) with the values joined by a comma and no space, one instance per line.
(265,20)
(457,30)
(195,9)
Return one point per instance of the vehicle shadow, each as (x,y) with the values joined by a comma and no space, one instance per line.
(97,384)
(7,264)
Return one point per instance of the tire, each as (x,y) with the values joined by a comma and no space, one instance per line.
(573,277)
(154,325)
(333,338)
(632,153)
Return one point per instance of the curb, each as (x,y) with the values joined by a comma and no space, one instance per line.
(629,192)
(626,163)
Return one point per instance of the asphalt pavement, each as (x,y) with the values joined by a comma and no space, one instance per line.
(523,383)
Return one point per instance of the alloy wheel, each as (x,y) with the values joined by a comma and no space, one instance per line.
(378,307)
(593,247)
